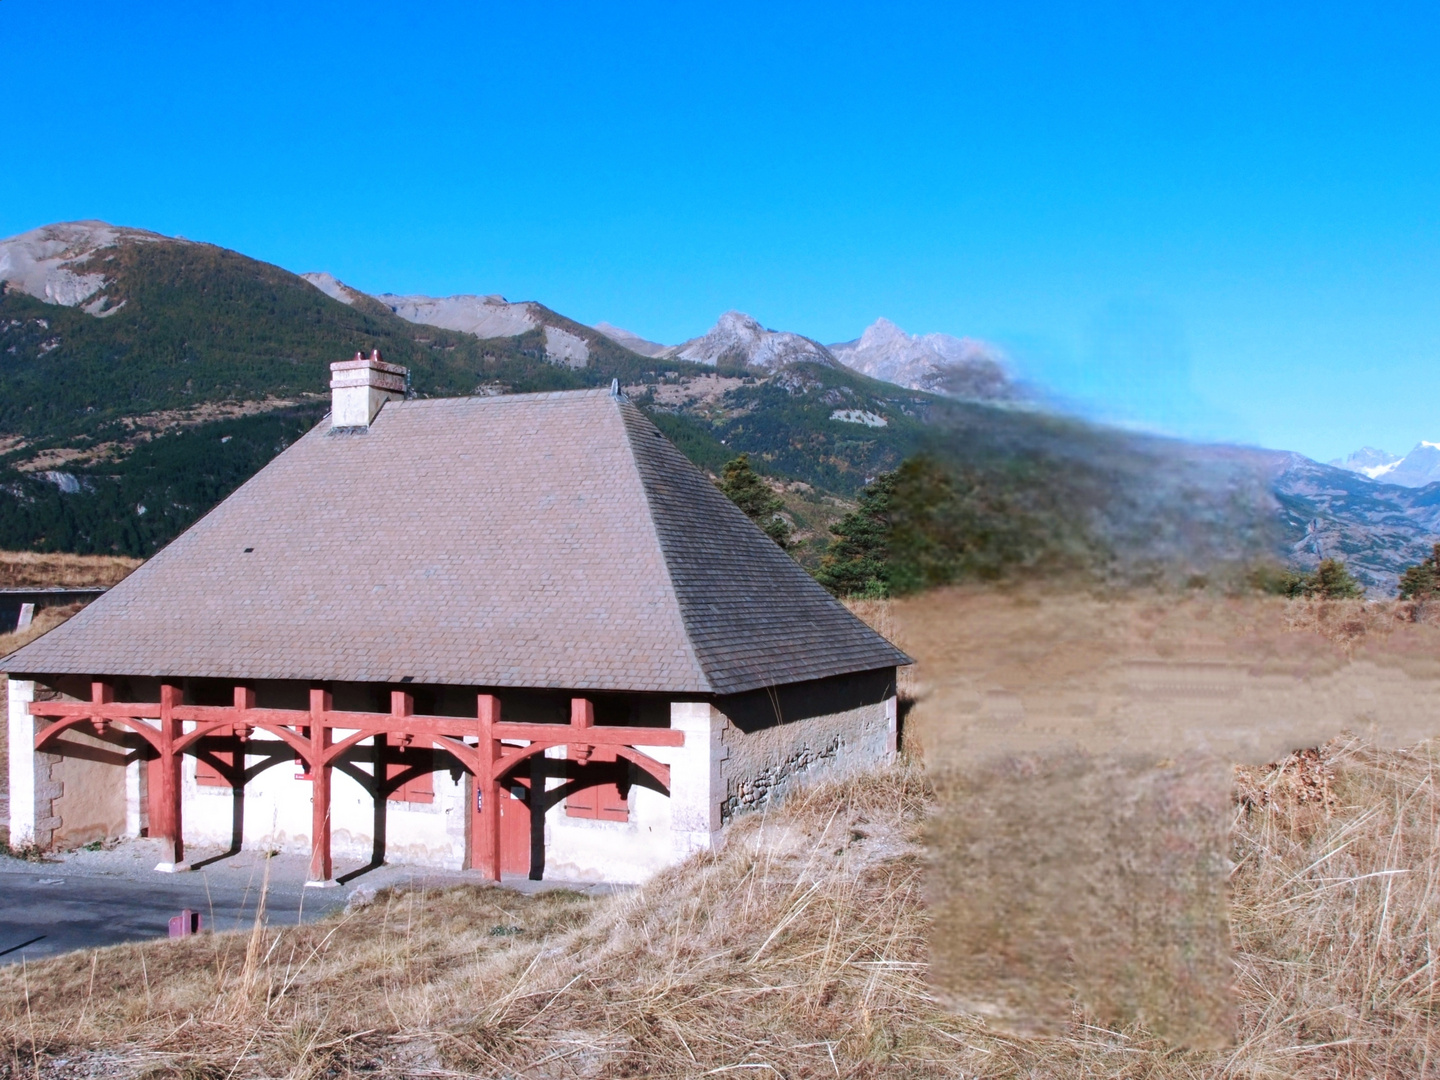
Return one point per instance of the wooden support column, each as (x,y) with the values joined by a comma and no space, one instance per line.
(485,822)
(244,702)
(171,825)
(320,869)
(582,717)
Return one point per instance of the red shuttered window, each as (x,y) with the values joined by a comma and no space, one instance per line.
(599,801)
(399,760)
(206,775)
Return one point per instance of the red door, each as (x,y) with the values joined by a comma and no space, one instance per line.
(514,827)
(515,857)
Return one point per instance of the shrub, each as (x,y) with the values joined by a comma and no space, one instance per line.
(1328,581)
(1331,581)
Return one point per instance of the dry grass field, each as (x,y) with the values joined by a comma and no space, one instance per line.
(821,941)
(29,569)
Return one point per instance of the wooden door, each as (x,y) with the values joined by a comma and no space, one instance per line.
(515,827)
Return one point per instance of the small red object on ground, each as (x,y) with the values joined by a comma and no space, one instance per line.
(185,924)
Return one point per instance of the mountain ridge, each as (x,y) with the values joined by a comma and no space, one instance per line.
(739,339)
(144,377)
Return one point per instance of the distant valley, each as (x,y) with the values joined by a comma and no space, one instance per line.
(143,377)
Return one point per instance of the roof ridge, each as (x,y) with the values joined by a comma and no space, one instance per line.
(489,399)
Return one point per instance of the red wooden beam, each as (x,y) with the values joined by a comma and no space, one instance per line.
(273,719)
(591,736)
(309,733)
(112,710)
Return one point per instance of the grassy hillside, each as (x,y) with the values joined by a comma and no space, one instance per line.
(118,432)
(198,323)
(128,407)
(797,950)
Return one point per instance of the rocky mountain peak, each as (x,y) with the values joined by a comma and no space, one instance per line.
(1419,467)
(484,316)
(937,363)
(738,338)
(334,288)
(50,263)
(631,340)
(490,316)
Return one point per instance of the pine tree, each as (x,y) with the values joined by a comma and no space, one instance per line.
(743,486)
(1331,581)
(1419,582)
(857,563)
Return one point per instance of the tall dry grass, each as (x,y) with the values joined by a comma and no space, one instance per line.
(1336,912)
(797,950)
(45,620)
(30,569)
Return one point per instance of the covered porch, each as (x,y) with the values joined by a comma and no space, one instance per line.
(514,771)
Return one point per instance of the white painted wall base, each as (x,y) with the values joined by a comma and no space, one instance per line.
(20,732)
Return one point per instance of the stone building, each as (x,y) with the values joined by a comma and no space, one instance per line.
(519,634)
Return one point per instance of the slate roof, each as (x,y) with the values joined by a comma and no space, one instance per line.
(535,540)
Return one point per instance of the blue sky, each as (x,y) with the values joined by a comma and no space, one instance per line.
(1213,220)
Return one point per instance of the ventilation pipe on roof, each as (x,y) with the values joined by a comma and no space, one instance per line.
(359,387)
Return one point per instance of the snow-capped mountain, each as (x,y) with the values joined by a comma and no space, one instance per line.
(1367,460)
(1419,467)
(936,363)
(632,341)
(55,263)
(738,339)
(483,316)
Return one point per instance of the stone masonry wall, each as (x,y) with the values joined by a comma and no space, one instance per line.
(758,765)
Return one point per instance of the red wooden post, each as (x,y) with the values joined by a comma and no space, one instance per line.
(320,703)
(485,824)
(101,693)
(171,823)
(582,717)
(244,702)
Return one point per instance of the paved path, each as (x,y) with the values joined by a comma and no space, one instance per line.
(84,900)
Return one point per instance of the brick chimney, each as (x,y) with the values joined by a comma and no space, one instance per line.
(359,387)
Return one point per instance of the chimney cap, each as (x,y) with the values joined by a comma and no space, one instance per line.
(371,362)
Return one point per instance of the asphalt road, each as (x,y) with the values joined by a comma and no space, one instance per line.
(48,911)
(90,899)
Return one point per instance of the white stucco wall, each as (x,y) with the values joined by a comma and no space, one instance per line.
(20,733)
(720,772)
(581,849)
(278,815)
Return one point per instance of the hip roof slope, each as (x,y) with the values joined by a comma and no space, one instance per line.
(538,540)
(754,616)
